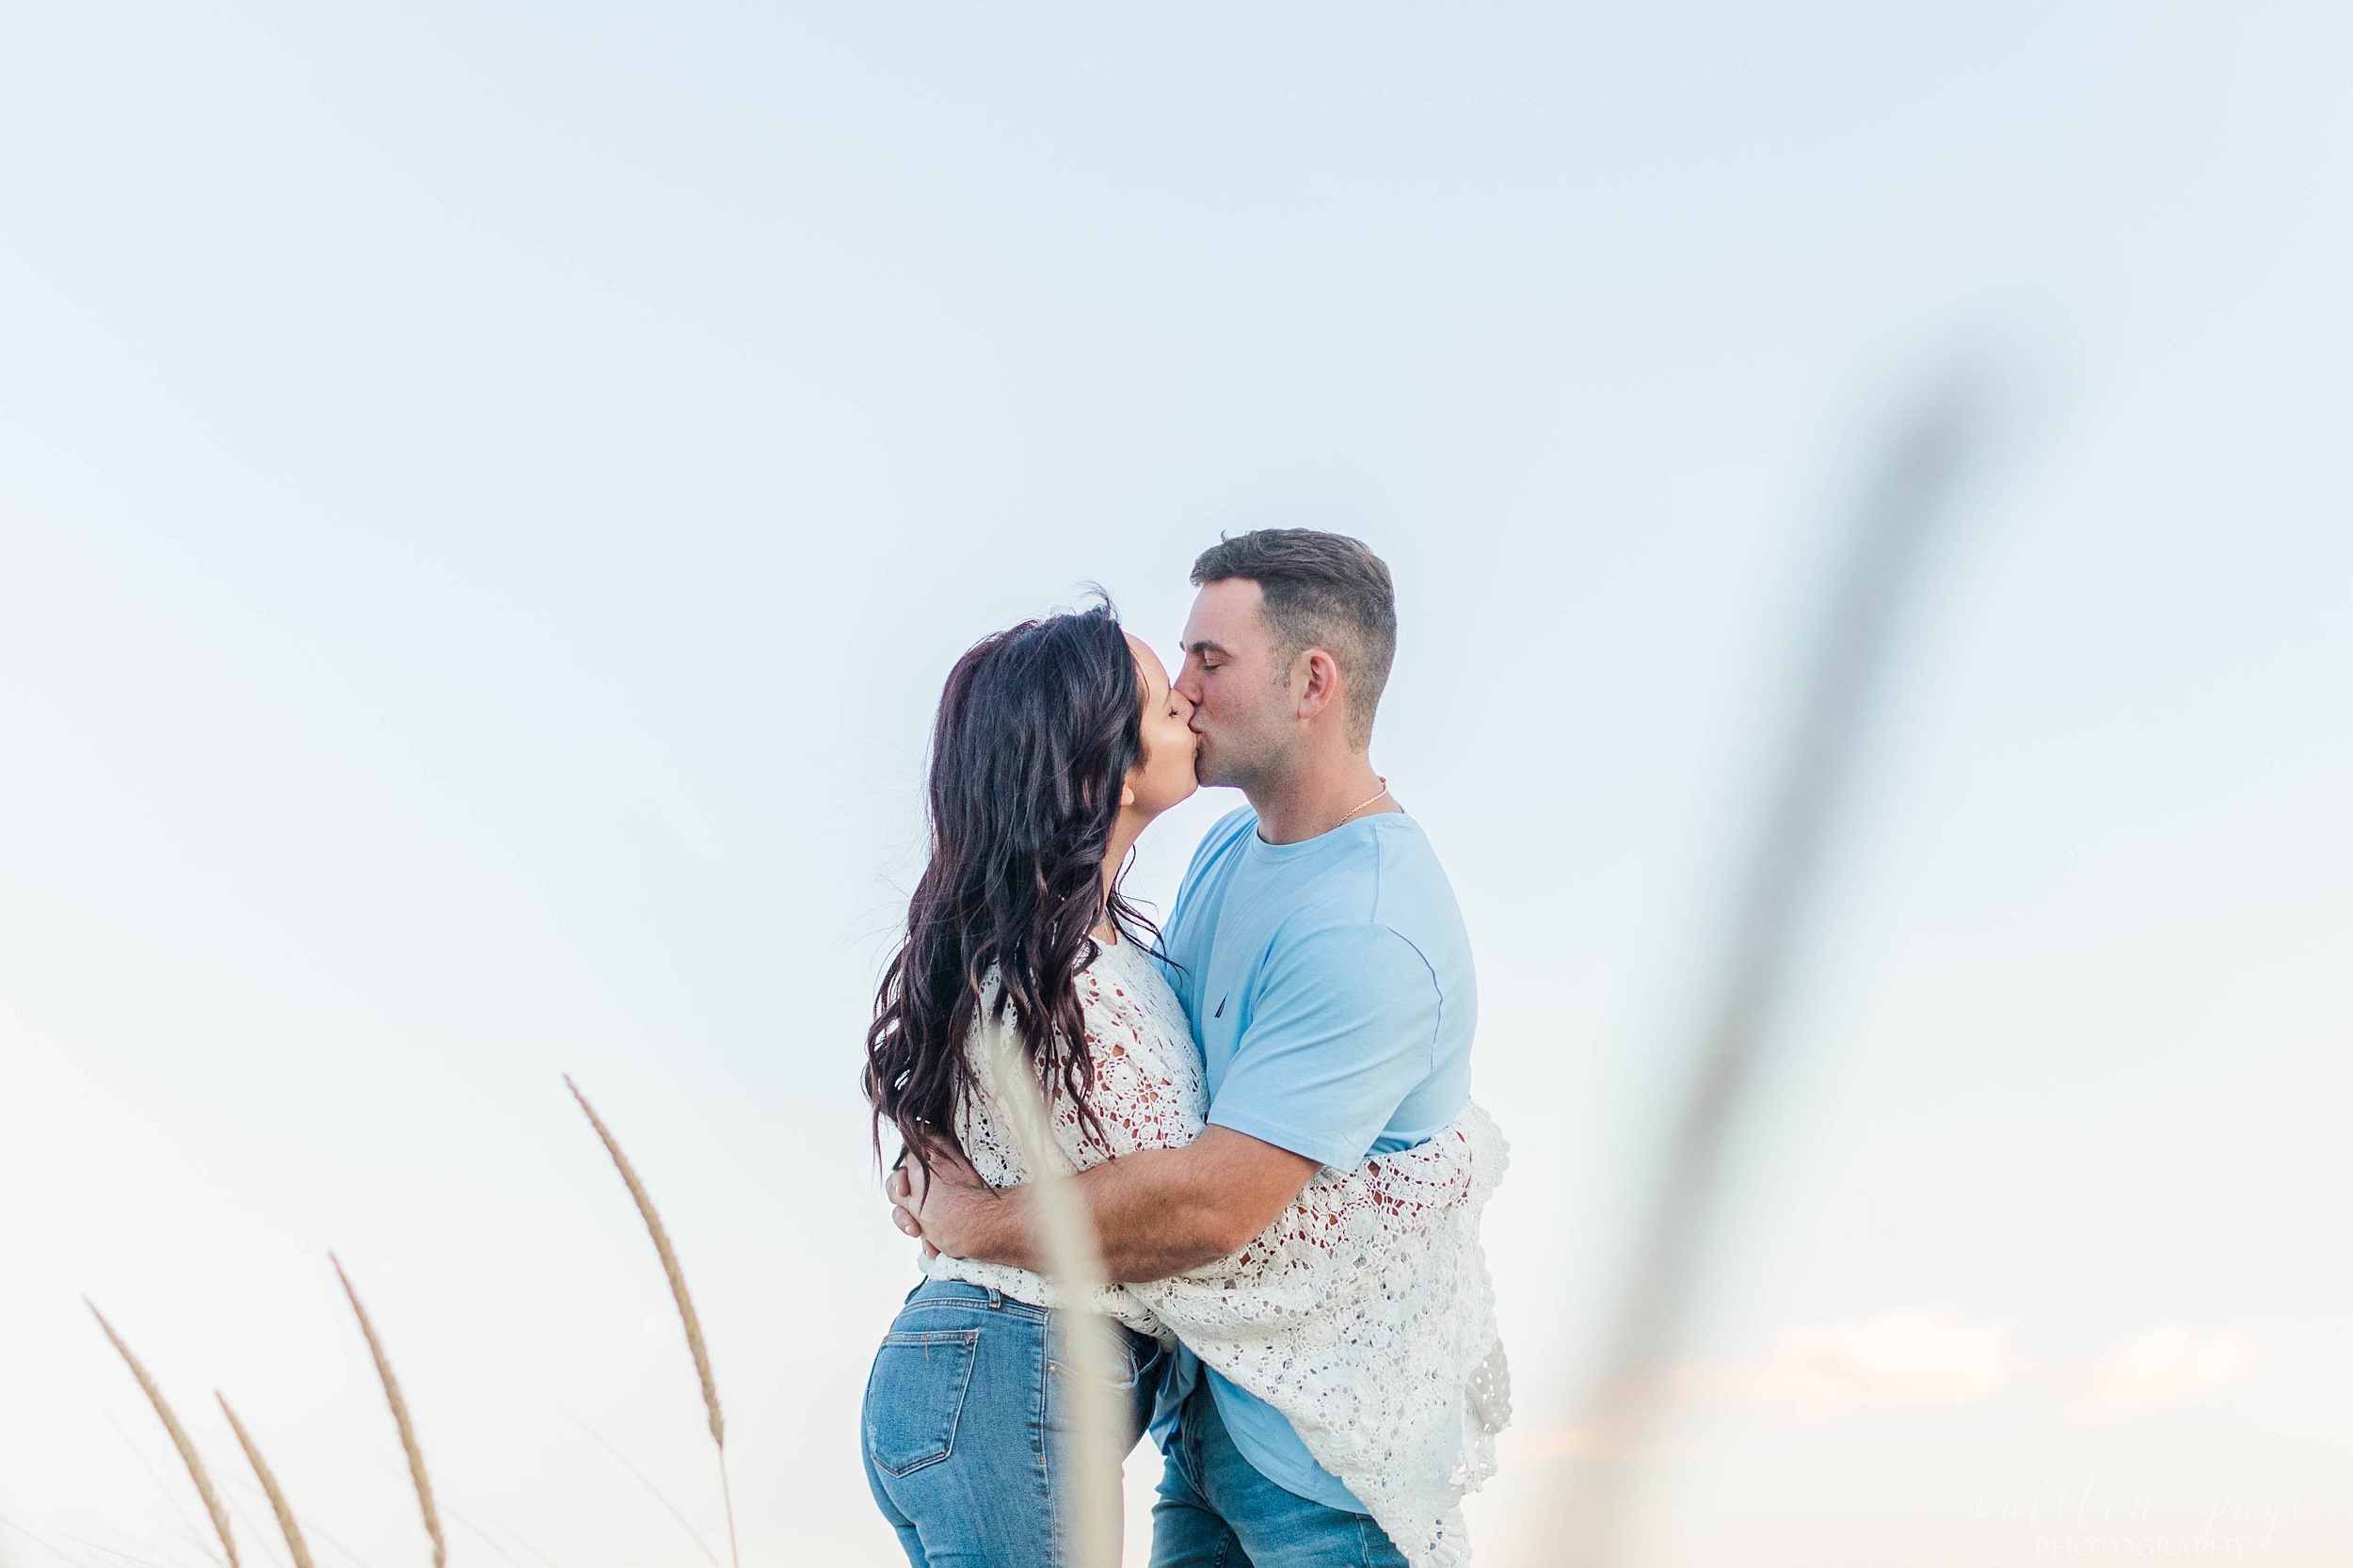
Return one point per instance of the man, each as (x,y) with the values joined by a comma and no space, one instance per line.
(1318,952)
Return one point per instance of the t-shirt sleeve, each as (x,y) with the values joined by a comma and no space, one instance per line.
(1343,1029)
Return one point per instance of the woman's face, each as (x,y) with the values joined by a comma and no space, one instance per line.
(1164,774)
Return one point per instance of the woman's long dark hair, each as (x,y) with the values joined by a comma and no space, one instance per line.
(1036,732)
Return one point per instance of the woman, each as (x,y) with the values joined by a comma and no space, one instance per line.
(1057,742)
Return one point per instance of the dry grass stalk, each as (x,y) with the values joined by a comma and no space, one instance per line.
(400,1419)
(286,1525)
(1074,1260)
(1909,500)
(677,1291)
(179,1434)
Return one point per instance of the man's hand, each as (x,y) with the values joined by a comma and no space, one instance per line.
(952,1210)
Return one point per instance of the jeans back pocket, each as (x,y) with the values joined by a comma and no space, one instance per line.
(915,1396)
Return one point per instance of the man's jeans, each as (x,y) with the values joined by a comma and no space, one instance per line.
(966,1412)
(1215,1510)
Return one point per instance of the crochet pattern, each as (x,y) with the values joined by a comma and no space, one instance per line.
(1364,1312)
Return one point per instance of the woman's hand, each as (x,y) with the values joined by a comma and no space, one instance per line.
(952,1210)
(899,1187)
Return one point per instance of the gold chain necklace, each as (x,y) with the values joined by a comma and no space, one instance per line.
(1384,790)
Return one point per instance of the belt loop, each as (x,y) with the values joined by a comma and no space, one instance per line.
(996,1298)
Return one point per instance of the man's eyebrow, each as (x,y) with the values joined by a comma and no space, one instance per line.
(1204,646)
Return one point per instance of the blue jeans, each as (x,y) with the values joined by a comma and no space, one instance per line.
(965,1411)
(1215,1510)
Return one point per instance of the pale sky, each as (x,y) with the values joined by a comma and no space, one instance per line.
(487,497)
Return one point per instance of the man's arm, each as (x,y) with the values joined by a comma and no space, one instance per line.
(1344,1032)
(1157,1212)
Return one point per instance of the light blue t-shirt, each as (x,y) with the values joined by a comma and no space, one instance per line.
(1330,989)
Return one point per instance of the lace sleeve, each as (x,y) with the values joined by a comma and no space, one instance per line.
(1364,1314)
(1144,1095)
(1343,1222)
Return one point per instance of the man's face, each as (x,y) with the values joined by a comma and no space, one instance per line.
(1238,684)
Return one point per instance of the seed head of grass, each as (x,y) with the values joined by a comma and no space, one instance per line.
(400,1419)
(178,1432)
(677,1277)
(669,1263)
(286,1525)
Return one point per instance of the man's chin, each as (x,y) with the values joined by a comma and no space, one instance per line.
(1211,776)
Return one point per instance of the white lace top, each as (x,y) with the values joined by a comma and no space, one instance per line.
(1364,1313)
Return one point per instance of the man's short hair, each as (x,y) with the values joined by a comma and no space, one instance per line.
(1322,591)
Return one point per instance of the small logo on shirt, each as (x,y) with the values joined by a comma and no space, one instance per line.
(1220,1006)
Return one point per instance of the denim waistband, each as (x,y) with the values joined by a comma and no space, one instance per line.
(957,1293)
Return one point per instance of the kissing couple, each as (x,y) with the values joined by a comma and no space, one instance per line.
(1265,1103)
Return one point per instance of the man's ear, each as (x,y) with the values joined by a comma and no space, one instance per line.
(1321,683)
